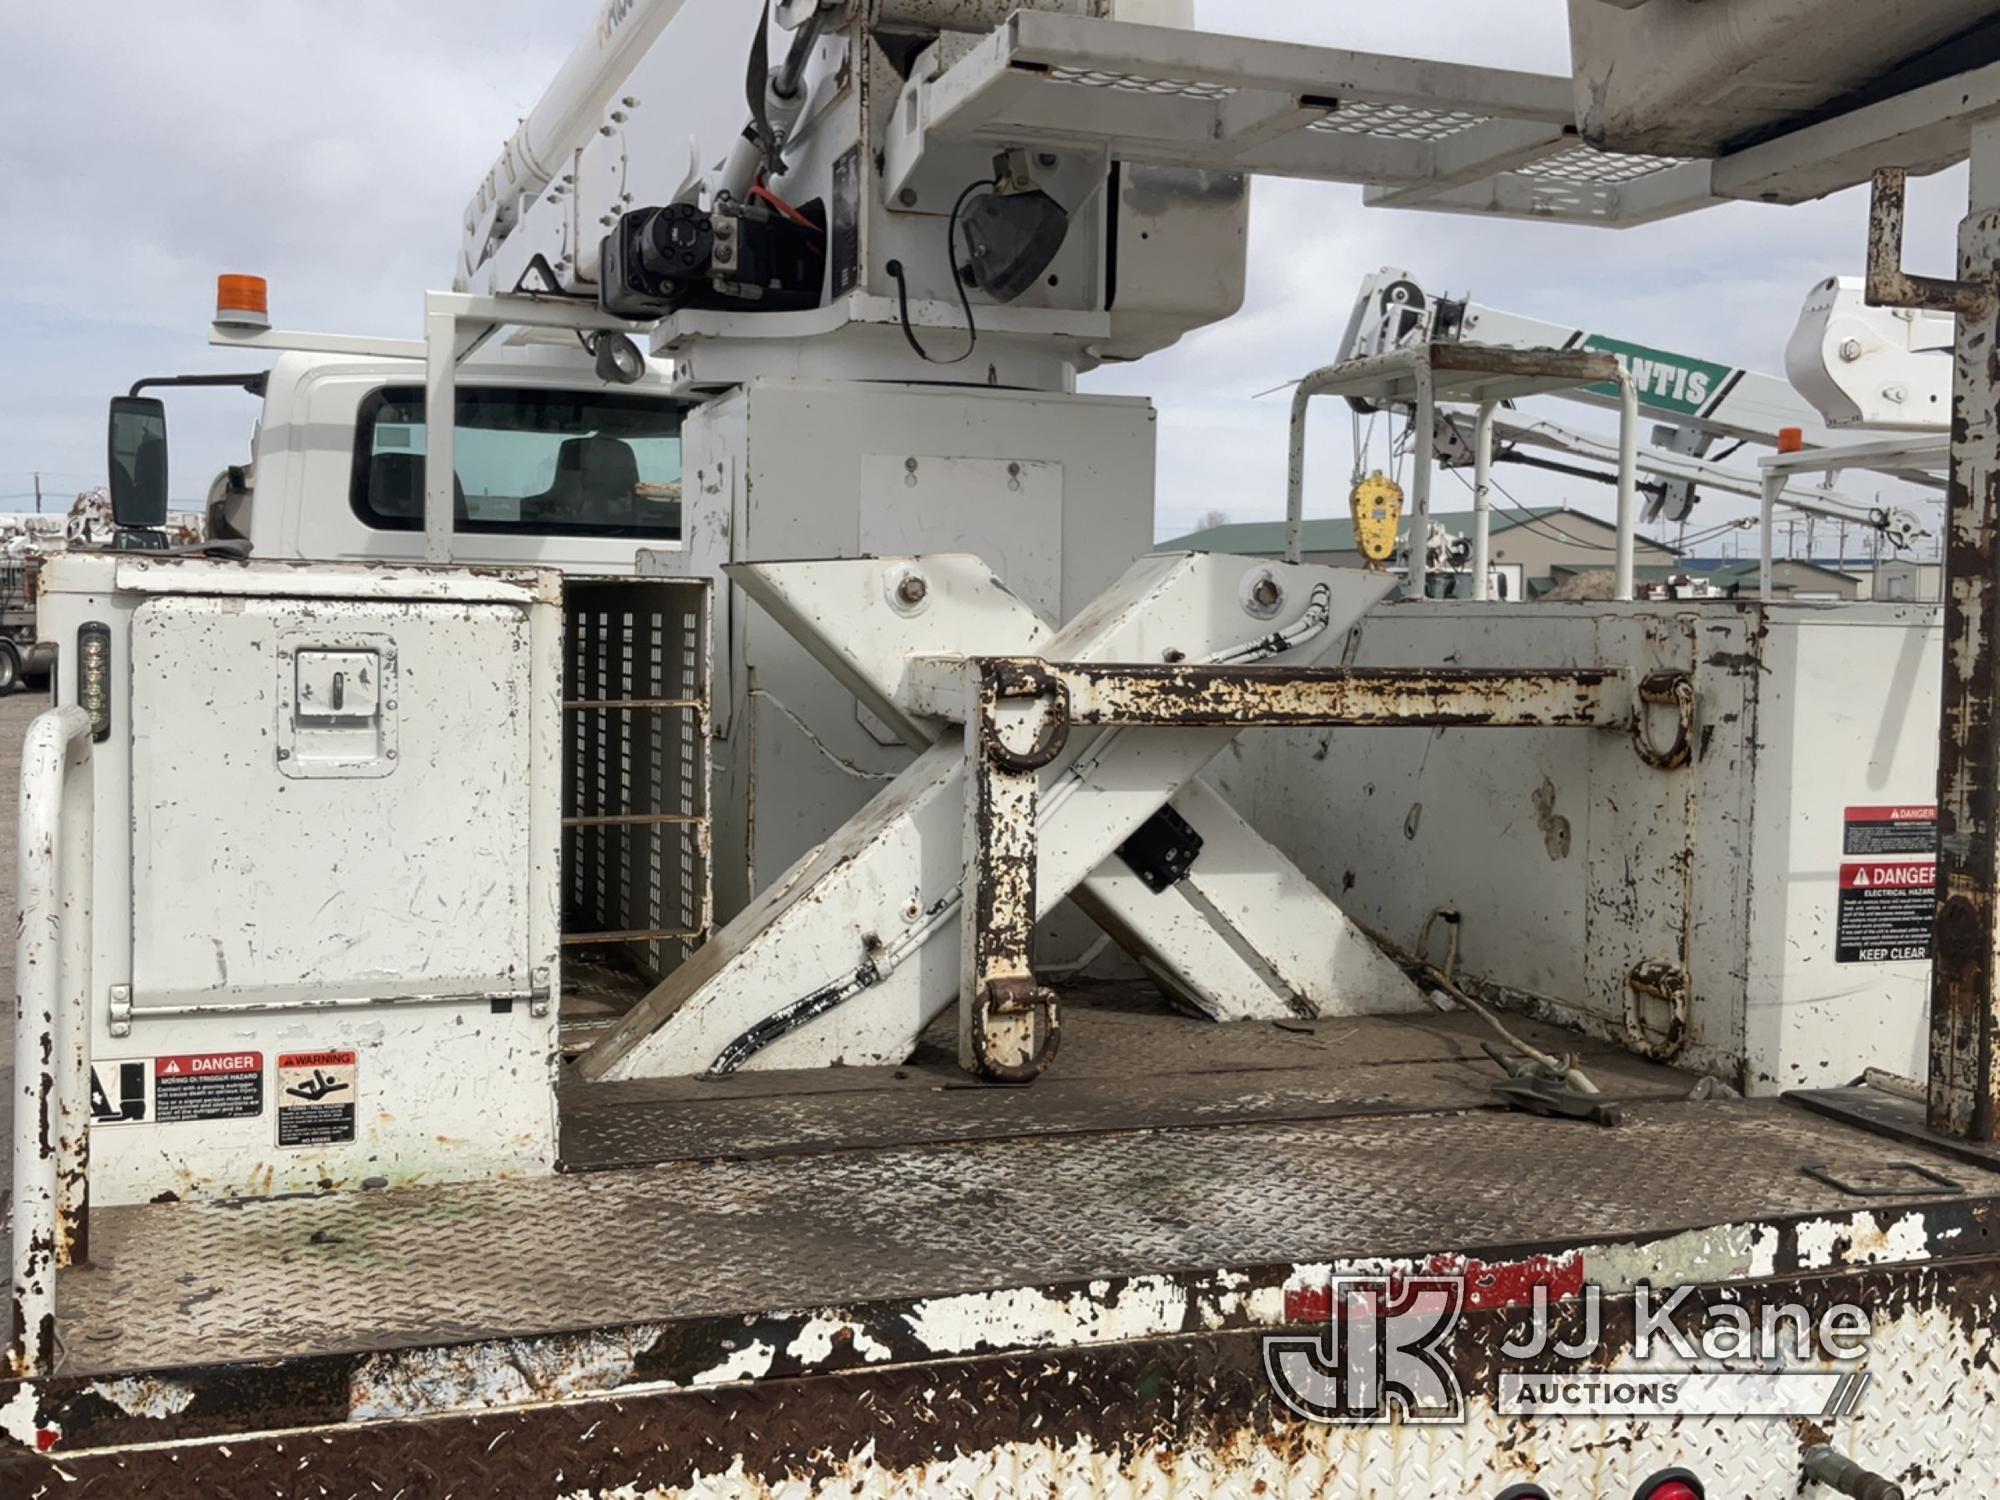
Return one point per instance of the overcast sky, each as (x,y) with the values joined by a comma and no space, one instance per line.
(332,147)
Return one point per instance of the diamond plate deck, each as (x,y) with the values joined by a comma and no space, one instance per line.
(181,1284)
(1123,1067)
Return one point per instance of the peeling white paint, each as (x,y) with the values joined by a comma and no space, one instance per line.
(157,1399)
(1863,1240)
(1265,1307)
(18,1416)
(1933,1409)
(1816,1244)
(814,1343)
(750,1363)
(1764,1240)
(1027,1319)
(1728,1252)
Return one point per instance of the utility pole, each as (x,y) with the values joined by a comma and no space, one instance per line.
(38,494)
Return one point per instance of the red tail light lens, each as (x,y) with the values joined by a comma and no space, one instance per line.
(1673,1484)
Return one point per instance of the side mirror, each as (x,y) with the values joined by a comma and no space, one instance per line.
(138,461)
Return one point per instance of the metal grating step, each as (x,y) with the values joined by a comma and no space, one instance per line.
(1414,132)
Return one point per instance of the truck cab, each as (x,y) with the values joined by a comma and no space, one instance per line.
(554,468)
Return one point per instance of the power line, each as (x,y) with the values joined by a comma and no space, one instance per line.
(1527,520)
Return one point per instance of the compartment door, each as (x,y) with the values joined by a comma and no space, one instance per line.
(330,801)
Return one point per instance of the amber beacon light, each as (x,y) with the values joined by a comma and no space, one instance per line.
(242,302)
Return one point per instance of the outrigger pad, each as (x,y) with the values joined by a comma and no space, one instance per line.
(856,949)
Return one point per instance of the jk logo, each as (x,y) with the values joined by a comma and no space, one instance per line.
(1382,1356)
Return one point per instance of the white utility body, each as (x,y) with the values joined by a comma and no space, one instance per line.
(393,737)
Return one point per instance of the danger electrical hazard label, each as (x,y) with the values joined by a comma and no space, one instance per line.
(1886,912)
(208,1086)
(316,1103)
(1885,832)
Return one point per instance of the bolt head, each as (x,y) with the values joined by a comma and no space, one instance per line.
(913,590)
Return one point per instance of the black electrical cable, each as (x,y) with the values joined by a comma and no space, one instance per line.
(895,269)
(1526,519)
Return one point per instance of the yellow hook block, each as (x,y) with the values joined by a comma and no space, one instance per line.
(1377,503)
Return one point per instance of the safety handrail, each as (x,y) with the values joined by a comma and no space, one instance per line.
(51,1027)
(1417,361)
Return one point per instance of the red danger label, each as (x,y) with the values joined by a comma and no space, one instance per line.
(208,1063)
(202,1086)
(1886,910)
(1919,877)
(1892,814)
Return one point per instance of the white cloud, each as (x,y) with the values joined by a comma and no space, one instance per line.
(147,147)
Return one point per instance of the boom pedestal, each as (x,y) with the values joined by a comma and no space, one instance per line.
(847,957)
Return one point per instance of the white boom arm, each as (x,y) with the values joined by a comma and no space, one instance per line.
(1885,369)
(585,98)
(1697,395)
(1900,528)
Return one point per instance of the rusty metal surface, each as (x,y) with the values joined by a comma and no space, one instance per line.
(1466,373)
(1192,1415)
(637,837)
(177,1283)
(1574,366)
(1009,1025)
(1190,695)
(1965,1008)
(1889,285)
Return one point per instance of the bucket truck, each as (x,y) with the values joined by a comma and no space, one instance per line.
(736,507)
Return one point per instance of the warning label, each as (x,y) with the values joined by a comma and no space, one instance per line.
(316,1098)
(1886,912)
(208,1086)
(118,1091)
(1885,832)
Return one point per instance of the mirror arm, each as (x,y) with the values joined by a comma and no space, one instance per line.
(253,382)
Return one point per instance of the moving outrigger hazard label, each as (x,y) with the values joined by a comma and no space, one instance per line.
(316,1098)
(208,1086)
(1886,912)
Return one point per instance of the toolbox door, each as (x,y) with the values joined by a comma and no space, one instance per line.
(330,802)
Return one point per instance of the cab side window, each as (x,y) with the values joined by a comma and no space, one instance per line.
(531,462)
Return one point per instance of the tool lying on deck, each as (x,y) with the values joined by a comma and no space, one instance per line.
(1542,1090)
